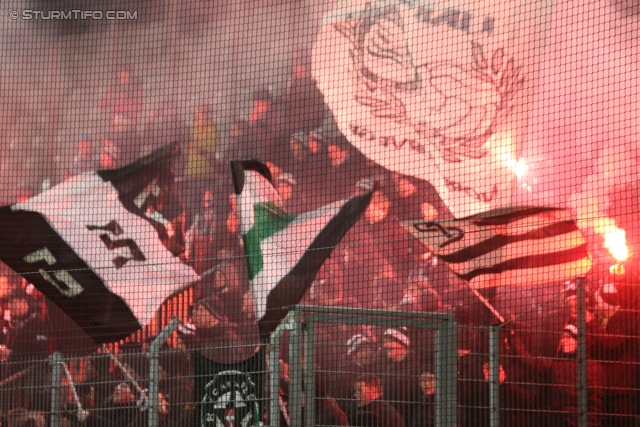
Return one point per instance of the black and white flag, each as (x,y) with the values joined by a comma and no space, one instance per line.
(94,246)
(285,251)
(512,245)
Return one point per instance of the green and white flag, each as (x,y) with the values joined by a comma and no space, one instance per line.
(284,251)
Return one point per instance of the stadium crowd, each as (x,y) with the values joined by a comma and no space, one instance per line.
(366,375)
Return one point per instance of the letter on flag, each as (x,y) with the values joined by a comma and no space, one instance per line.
(87,245)
(516,245)
(284,251)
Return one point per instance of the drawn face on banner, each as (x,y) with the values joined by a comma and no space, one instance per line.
(432,90)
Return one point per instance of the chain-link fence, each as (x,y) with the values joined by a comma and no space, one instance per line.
(290,212)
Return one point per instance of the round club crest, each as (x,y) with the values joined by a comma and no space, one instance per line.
(230,401)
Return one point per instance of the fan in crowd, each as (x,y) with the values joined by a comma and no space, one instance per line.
(376,375)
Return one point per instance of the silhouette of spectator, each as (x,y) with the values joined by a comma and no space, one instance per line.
(200,154)
(123,407)
(97,383)
(28,339)
(22,417)
(385,292)
(420,296)
(266,136)
(109,156)
(400,373)
(617,348)
(201,240)
(370,409)
(124,103)
(426,410)
(17,417)
(186,335)
(298,144)
(304,101)
(176,385)
(216,337)
(315,143)
(297,160)
(123,100)
(285,185)
(518,391)
(594,328)
(344,168)
(359,356)
(160,130)
(73,417)
(168,215)
(86,160)
(260,140)
(309,164)
(240,145)
(394,242)
(328,289)
(520,387)
(409,196)
(564,369)
(327,411)
(223,283)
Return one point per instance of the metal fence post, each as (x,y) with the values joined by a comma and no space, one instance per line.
(308,363)
(274,369)
(583,393)
(295,370)
(56,379)
(494,375)
(154,369)
(447,374)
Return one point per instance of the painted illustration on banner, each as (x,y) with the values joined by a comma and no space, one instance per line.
(434,91)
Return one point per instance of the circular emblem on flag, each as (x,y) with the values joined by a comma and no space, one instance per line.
(229,401)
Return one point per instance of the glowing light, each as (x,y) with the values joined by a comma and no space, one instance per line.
(617,269)
(518,167)
(615,239)
(616,243)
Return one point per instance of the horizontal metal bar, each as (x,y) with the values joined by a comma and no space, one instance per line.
(371,312)
(376,321)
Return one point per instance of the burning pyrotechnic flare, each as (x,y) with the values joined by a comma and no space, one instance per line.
(517,166)
(614,238)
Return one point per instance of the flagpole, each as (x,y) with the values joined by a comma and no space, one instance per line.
(504,200)
(15,376)
(487,304)
(80,412)
(128,375)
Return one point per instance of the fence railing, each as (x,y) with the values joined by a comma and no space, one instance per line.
(301,323)
(306,346)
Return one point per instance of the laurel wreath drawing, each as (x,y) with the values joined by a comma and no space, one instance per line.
(470,103)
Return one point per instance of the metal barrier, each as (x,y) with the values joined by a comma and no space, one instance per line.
(149,398)
(301,323)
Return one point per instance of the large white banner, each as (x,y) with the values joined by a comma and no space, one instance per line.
(440,90)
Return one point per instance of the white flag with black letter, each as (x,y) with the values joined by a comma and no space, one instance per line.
(88,246)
